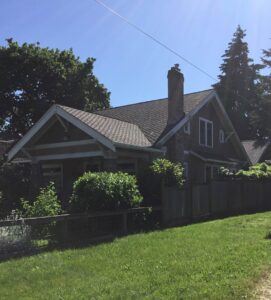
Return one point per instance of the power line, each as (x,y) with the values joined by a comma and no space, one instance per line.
(153,38)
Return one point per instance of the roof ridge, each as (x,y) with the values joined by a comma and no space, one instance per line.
(147,101)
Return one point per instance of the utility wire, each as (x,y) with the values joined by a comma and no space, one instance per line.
(154,39)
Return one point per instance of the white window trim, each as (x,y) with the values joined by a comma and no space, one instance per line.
(187,128)
(212,166)
(221,136)
(210,122)
(45,166)
(186,169)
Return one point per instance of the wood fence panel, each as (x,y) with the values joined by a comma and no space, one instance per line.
(235,196)
(200,200)
(252,195)
(219,197)
(266,185)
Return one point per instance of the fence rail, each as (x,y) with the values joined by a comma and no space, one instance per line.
(216,198)
(32,234)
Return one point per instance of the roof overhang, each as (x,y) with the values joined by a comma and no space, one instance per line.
(213,96)
(187,117)
(58,112)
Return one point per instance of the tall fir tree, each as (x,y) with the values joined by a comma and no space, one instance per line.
(237,86)
(261,115)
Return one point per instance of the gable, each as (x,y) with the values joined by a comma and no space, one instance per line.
(58,133)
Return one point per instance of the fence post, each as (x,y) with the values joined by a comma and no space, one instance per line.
(64,233)
(124,222)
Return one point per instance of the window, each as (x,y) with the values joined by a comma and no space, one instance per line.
(205,133)
(221,136)
(186,128)
(211,172)
(52,173)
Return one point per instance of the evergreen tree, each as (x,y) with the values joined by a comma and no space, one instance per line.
(32,78)
(261,115)
(237,86)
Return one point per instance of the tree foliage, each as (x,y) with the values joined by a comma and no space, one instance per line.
(261,116)
(32,78)
(238,84)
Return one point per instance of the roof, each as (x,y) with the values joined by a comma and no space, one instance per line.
(255,149)
(151,116)
(115,130)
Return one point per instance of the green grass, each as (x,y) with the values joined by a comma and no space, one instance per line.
(220,259)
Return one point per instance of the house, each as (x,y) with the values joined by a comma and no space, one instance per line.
(4,145)
(193,129)
(258,151)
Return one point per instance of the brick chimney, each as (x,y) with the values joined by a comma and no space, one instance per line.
(175,95)
(175,146)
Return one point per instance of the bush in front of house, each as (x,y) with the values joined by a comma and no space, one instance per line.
(257,171)
(46,204)
(105,191)
(172,174)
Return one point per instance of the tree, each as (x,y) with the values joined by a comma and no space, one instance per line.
(32,78)
(261,115)
(237,86)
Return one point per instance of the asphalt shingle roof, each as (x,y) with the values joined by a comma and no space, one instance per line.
(139,124)
(254,150)
(151,116)
(115,130)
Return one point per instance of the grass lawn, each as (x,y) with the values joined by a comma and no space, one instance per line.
(220,259)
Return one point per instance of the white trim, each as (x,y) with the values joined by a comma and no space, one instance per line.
(213,160)
(212,166)
(178,126)
(187,128)
(69,155)
(235,135)
(147,149)
(206,133)
(64,144)
(31,132)
(46,166)
(86,128)
(62,123)
(56,110)
(186,169)
(221,136)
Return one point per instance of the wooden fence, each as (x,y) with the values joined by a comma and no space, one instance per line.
(218,198)
(31,234)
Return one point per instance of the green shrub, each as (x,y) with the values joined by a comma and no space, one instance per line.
(257,171)
(169,172)
(104,191)
(46,204)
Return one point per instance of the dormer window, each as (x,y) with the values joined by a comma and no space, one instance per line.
(205,133)
(221,136)
(186,128)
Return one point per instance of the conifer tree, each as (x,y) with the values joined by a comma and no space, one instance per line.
(237,85)
(261,115)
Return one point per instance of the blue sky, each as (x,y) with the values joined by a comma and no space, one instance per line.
(130,65)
